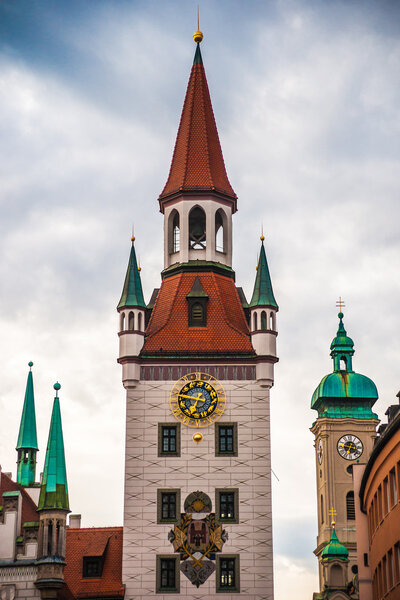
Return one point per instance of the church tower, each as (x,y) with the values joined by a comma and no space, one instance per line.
(197,366)
(344,432)
(27,445)
(53,508)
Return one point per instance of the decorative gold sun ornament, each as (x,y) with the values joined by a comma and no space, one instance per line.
(197,438)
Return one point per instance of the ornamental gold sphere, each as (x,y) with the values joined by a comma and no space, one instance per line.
(197,36)
(197,437)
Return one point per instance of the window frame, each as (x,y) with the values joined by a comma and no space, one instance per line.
(218,427)
(218,517)
(167,590)
(92,559)
(177,427)
(160,493)
(228,590)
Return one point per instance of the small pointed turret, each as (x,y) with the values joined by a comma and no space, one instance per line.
(53,508)
(263,294)
(54,488)
(263,308)
(342,348)
(27,446)
(132,316)
(132,293)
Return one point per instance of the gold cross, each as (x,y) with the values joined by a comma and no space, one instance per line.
(340,303)
(332,513)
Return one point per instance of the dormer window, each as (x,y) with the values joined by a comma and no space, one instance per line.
(197,305)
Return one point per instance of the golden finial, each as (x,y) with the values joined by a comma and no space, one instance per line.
(262,238)
(133,234)
(198,36)
(133,238)
(332,513)
(197,437)
(139,267)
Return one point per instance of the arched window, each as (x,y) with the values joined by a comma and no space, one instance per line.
(263,320)
(176,233)
(343,363)
(197,228)
(272,322)
(131,321)
(336,578)
(122,322)
(140,322)
(219,232)
(322,508)
(350,508)
(255,322)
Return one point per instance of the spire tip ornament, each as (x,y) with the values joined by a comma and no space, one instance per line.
(30,365)
(198,35)
(57,387)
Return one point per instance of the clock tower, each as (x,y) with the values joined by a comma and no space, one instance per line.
(344,432)
(197,366)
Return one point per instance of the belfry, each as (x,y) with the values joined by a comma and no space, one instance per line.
(197,366)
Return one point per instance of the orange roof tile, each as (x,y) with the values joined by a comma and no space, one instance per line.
(197,162)
(226,331)
(28,505)
(94,541)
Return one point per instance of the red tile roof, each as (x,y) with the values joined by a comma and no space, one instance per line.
(28,505)
(94,541)
(197,162)
(226,331)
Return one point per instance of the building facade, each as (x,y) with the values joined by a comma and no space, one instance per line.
(344,434)
(377,486)
(197,365)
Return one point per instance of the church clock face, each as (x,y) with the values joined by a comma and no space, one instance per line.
(350,447)
(197,400)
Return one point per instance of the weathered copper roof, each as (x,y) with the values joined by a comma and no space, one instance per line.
(197,162)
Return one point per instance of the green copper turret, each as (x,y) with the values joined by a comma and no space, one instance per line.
(263,294)
(27,446)
(334,550)
(344,393)
(132,293)
(54,488)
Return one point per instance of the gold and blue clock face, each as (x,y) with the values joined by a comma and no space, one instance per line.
(197,400)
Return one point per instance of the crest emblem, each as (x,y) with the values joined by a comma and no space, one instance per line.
(197,537)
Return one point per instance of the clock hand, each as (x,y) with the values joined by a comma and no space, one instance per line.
(199,396)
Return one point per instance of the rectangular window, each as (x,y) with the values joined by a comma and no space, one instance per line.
(167,574)
(386,502)
(227,504)
(92,567)
(390,568)
(228,573)
(393,488)
(379,504)
(168,506)
(169,439)
(397,562)
(226,439)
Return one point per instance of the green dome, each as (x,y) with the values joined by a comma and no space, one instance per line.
(344,393)
(334,549)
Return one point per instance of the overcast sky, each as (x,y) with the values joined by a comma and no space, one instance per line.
(306,96)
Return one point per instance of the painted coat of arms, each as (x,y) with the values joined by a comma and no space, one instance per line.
(197,537)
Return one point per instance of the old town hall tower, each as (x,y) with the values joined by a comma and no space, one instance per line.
(197,365)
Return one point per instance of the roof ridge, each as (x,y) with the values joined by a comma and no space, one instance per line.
(191,92)
(207,145)
(94,528)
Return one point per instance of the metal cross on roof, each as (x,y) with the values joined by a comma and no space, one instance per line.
(340,303)
(332,513)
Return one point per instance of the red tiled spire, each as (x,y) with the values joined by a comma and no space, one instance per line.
(197,162)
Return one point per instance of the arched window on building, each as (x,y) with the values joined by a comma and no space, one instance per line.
(263,320)
(139,322)
(350,508)
(122,322)
(272,322)
(255,322)
(219,231)
(131,321)
(343,363)
(176,233)
(197,228)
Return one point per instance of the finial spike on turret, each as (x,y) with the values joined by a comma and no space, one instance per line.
(198,35)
